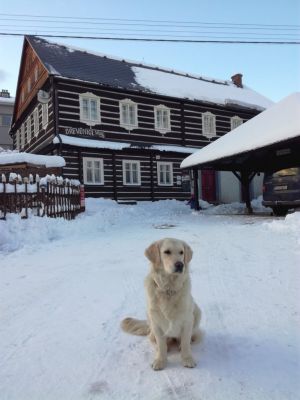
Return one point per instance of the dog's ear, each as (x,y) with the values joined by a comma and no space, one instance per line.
(153,253)
(188,253)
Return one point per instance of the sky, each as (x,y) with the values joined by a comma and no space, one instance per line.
(272,70)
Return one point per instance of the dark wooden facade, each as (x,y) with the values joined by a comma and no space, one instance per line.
(64,115)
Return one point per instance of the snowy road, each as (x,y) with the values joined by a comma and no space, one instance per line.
(65,286)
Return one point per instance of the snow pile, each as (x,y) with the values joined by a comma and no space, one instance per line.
(14,157)
(233,208)
(101,215)
(289,225)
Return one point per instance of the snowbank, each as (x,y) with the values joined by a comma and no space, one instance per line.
(14,157)
(100,216)
(233,208)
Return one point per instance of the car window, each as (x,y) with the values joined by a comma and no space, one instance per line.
(286,172)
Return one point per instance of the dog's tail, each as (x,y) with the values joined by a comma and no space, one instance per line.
(135,326)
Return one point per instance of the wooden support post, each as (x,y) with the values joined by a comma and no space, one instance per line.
(196,189)
(245,180)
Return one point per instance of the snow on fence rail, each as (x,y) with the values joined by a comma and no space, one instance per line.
(49,196)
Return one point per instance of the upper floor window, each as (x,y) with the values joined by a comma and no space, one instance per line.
(35,122)
(89,109)
(93,173)
(162,118)
(28,128)
(208,124)
(18,139)
(235,122)
(22,136)
(164,173)
(128,114)
(45,115)
(131,172)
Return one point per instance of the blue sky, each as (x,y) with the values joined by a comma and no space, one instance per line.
(272,70)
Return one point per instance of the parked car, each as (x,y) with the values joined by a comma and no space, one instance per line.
(281,190)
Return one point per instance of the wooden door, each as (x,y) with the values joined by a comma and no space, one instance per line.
(208,185)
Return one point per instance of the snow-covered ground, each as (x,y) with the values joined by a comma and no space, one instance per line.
(65,286)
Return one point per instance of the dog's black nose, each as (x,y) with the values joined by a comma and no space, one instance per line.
(178,266)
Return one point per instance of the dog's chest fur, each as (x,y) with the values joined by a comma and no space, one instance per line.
(169,298)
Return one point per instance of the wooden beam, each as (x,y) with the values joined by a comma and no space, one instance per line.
(196,189)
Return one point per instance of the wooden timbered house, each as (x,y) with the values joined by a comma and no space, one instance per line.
(124,127)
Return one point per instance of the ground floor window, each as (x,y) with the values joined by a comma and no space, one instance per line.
(164,173)
(131,172)
(93,171)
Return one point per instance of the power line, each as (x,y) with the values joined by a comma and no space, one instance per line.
(160,39)
(147,20)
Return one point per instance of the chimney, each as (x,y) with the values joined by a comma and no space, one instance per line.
(237,80)
(4,93)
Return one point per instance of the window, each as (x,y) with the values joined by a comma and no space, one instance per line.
(208,124)
(93,173)
(89,109)
(44,115)
(5,120)
(28,128)
(235,122)
(131,172)
(36,73)
(162,118)
(28,85)
(128,114)
(22,136)
(164,173)
(36,122)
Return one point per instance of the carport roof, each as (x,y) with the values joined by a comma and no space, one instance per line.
(278,124)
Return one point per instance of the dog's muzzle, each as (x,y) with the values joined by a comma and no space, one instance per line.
(178,267)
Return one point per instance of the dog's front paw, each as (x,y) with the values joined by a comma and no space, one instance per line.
(158,364)
(188,362)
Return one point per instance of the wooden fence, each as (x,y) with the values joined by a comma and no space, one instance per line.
(49,196)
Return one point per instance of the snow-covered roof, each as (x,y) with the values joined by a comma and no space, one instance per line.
(14,157)
(7,100)
(225,93)
(105,144)
(276,124)
(74,63)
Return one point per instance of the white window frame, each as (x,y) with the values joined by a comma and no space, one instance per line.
(211,132)
(235,122)
(35,122)
(159,165)
(158,128)
(125,183)
(45,115)
(88,120)
(125,124)
(22,136)
(18,138)
(28,129)
(84,163)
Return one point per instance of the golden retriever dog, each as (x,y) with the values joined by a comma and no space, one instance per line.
(172,312)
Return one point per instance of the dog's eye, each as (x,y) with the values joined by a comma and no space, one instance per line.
(167,252)
(181,252)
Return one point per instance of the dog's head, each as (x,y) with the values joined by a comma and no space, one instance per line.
(171,254)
